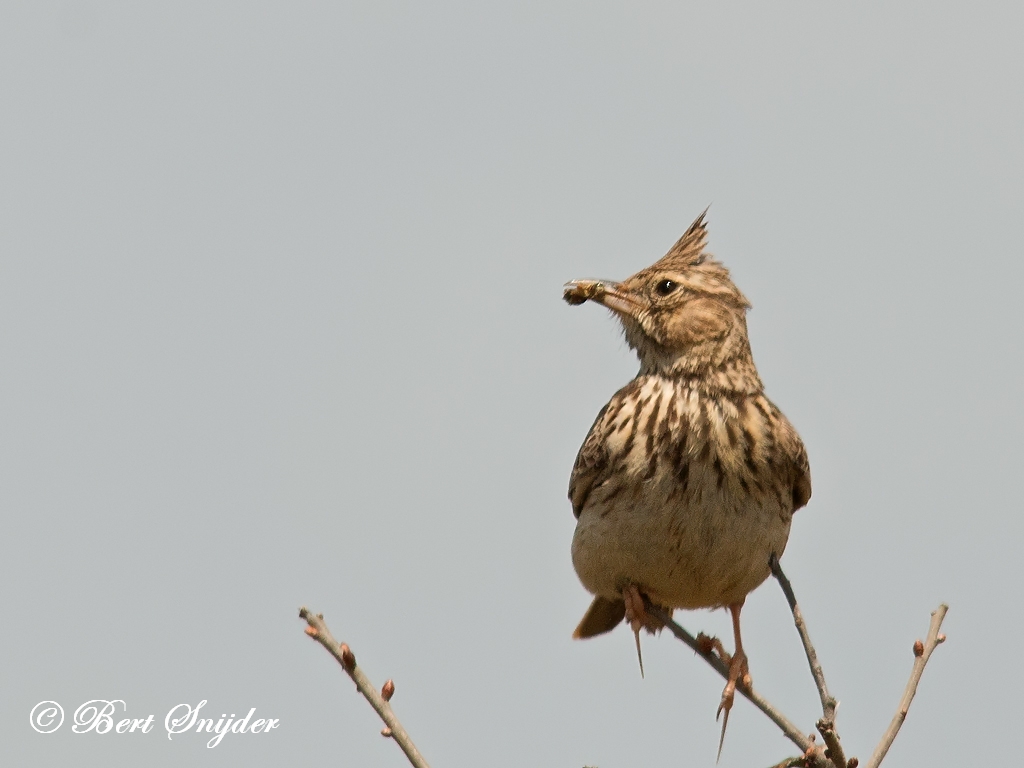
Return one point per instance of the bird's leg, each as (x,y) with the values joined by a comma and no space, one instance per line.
(739,674)
(634,610)
(637,617)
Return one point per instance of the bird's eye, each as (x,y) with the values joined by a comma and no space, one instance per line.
(665,287)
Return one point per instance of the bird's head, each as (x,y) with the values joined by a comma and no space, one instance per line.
(683,315)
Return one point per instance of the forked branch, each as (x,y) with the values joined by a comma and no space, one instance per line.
(792,732)
(812,755)
(832,754)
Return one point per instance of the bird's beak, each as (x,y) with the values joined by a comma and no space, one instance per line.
(611,295)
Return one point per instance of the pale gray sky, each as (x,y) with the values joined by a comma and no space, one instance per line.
(280,323)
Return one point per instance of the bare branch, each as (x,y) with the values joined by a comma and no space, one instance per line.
(828,703)
(814,755)
(794,734)
(922,652)
(833,747)
(827,724)
(318,630)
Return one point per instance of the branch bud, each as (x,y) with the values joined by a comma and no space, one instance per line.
(385,732)
(348,659)
(918,648)
(311,631)
(388,690)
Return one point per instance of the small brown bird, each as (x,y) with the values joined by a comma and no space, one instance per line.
(689,478)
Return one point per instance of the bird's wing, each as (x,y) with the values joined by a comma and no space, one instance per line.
(592,465)
(793,449)
(591,462)
(801,478)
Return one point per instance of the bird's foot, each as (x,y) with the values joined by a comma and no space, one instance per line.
(638,617)
(708,645)
(636,611)
(739,675)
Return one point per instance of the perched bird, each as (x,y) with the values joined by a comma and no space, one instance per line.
(689,478)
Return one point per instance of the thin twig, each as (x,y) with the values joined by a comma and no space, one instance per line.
(828,703)
(318,630)
(922,652)
(827,724)
(794,734)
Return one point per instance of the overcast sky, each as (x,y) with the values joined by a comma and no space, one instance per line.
(280,324)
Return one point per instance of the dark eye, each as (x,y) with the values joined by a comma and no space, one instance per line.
(665,287)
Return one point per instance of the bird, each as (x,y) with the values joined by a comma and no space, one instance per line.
(686,485)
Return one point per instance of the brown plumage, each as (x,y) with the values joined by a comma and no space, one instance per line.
(688,480)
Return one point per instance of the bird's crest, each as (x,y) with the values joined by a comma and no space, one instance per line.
(689,249)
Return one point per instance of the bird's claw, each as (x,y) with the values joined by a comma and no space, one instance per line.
(708,645)
(739,674)
(637,617)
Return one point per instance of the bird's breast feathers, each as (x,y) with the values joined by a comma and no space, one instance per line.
(667,433)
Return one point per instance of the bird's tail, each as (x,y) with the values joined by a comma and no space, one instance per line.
(602,616)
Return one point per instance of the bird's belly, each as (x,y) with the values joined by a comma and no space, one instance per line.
(697,547)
